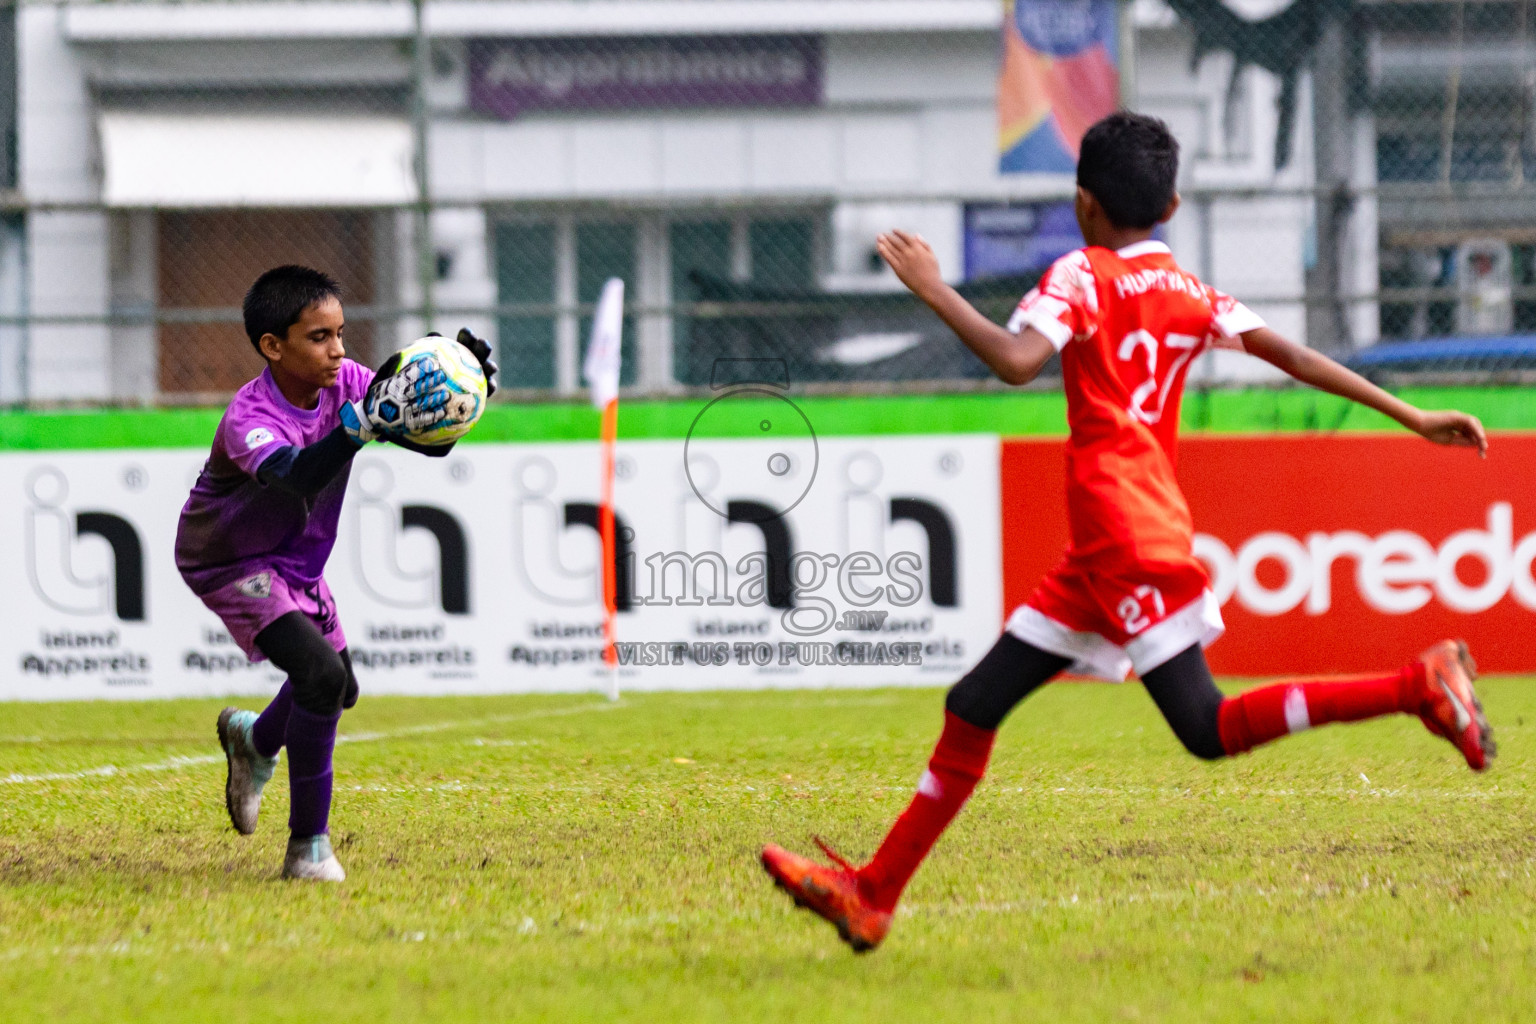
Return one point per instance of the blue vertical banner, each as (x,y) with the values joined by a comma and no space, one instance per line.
(1059,75)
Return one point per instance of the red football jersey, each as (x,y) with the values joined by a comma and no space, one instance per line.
(1128,324)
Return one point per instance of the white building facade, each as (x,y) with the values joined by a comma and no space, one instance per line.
(166,153)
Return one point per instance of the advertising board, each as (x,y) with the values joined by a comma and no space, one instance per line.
(742,562)
(748,562)
(1329,554)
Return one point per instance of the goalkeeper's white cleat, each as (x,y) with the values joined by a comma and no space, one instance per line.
(311,859)
(249,772)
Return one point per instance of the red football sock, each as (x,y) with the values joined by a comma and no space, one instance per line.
(957,764)
(1272,711)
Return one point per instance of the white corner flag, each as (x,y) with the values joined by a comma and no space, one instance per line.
(601,372)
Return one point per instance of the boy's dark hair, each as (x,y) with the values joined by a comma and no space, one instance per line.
(1130,164)
(280,296)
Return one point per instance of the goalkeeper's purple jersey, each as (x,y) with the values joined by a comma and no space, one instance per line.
(232,525)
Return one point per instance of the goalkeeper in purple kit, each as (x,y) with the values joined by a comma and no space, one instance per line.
(259,526)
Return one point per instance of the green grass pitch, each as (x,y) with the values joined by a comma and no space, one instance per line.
(561,858)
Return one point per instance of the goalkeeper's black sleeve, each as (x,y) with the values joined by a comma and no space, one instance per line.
(305,471)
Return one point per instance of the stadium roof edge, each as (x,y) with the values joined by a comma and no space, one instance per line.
(121,21)
(161,22)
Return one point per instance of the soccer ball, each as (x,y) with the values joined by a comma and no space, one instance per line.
(465,385)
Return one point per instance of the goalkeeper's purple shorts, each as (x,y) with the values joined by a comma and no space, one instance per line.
(255,601)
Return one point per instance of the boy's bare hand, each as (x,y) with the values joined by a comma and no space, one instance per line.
(1015,358)
(912,259)
(1455,428)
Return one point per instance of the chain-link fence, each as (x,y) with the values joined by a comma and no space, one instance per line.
(1451,90)
(1357,170)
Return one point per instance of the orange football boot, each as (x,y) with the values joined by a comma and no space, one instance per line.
(1448,705)
(831,893)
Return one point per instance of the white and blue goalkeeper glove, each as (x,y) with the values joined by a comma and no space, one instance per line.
(398,405)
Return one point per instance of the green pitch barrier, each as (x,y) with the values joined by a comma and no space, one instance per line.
(1017,414)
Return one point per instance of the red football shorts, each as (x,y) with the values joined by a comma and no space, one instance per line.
(1114,621)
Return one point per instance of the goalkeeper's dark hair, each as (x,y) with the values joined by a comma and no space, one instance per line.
(1130,164)
(280,296)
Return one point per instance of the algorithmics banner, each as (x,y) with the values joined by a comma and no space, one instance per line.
(749,562)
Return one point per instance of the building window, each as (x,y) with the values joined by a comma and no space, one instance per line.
(13,304)
(525,277)
(1450,90)
(700,254)
(767,262)
(207,259)
(550,271)
(605,250)
(1525,279)
(545,271)
(705,285)
(783,253)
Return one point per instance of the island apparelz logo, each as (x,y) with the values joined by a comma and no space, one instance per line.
(55,563)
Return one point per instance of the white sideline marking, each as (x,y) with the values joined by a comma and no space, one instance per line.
(418,730)
(112,769)
(173,763)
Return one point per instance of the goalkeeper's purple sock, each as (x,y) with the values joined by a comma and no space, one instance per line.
(311,738)
(272,724)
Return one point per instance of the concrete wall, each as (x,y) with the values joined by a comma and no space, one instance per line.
(67,275)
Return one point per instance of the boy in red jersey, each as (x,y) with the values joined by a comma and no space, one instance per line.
(1129,595)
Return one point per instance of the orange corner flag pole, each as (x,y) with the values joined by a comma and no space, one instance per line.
(610,436)
(602,373)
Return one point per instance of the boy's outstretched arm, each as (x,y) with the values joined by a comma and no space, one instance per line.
(1312,367)
(1015,358)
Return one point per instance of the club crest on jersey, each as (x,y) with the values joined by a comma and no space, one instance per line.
(259,585)
(257,438)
